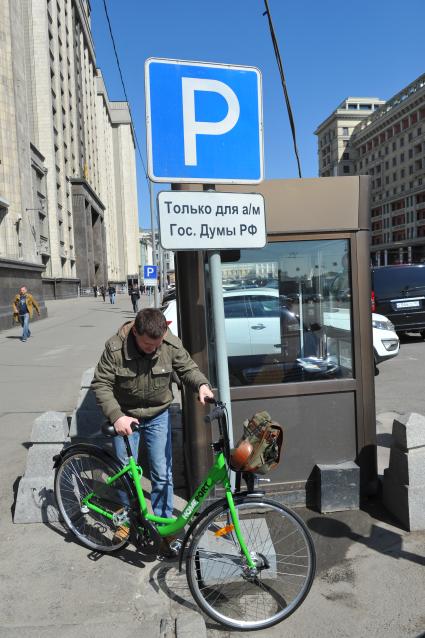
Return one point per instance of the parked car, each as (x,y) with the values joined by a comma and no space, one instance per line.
(386,343)
(258,322)
(168,295)
(398,292)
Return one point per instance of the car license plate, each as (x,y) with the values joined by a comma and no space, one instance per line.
(408,304)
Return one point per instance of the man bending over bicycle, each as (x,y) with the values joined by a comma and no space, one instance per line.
(132,382)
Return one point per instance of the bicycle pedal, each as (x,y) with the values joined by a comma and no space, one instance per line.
(175,546)
(121,517)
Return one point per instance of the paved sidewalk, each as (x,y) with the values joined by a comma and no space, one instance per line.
(370,579)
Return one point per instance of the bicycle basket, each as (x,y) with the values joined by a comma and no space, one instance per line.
(258,450)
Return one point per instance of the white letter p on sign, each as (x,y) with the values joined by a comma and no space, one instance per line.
(191,127)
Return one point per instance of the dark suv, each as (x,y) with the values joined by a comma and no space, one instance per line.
(399,293)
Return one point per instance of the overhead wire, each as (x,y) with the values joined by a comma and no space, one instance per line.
(283,80)
(124,89)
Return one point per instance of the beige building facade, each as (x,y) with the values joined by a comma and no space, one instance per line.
(388,144)
(68,193)
(335,152)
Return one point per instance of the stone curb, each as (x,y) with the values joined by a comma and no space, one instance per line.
(191,625)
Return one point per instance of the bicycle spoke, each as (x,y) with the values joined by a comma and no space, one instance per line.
(236,595)
(78,476)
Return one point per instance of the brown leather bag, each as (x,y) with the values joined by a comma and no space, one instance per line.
(259,448)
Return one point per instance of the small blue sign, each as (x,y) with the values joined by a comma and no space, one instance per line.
(204,122)
(150,272)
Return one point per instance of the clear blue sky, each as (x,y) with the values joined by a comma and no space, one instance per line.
(330,50)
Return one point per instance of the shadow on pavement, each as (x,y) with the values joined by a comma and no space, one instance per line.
(132,557)
(166,577)
(380,539)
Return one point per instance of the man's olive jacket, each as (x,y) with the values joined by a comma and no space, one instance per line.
(128,382)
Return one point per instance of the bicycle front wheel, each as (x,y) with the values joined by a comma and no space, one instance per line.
(220,579)
(83,473)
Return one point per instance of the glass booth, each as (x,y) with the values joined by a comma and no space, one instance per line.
(298,332)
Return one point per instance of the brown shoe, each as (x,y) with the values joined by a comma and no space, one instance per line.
(121,533)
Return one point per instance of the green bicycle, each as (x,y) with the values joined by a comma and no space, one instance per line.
(250,561)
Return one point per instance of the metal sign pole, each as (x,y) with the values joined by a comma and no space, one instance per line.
(221,365)
(152,205)
(222,370)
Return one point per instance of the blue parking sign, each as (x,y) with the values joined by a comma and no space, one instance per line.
(204,122)
(150,273)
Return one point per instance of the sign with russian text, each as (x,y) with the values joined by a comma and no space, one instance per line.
(204,122)
(211,220)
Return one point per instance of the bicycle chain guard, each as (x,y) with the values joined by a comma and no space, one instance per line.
(148,539)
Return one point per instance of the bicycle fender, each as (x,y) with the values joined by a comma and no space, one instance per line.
(83,447)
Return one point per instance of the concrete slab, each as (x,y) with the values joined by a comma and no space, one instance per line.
(408,468)
(35,502)
(40,459)
(87,400)
(406,502)
(339,487)
(87,378)
(50,427)
(86,424)
(409,431)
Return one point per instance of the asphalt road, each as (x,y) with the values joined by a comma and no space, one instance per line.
(400,384)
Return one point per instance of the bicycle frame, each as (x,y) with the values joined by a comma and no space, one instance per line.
(217,474)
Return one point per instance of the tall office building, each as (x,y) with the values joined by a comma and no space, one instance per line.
(68,194)
(387,143)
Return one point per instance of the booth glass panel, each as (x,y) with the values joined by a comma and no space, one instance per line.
(287,312)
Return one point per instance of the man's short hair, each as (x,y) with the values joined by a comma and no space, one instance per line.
(150,321)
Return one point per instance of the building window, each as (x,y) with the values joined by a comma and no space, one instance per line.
(346,169)
(346,156)
(345,130)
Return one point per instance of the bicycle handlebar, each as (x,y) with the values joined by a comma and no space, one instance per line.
(109,430)
(217,412)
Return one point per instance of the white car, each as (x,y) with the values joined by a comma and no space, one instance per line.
(256,319)
(386,343)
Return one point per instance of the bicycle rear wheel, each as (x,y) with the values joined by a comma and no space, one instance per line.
(83,472)
(220,579)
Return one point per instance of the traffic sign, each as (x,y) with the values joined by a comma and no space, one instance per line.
(150,275)
(211,220)
(204,122)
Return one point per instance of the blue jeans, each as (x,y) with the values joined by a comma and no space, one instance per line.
(157,437)
(112,298)
(25,323)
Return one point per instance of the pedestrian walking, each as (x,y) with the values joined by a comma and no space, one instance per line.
(112,292)
(23,307)
(135,296)
(103,292)
(132,382)
(95,290)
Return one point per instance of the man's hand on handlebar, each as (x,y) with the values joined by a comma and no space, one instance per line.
(123,425)
(205,393)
